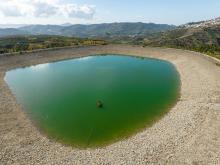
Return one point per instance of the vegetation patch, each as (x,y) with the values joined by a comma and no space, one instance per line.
(29,43)
(205,40)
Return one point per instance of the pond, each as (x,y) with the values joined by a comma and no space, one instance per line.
(96,100)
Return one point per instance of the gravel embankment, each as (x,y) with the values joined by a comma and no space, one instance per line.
(188,134)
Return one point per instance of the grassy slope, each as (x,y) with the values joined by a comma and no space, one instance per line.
(98,30)
(205,40)
(28,43)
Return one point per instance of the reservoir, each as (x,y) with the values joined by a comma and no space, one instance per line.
(96,100)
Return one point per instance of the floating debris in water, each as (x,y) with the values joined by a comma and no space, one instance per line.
(99,104)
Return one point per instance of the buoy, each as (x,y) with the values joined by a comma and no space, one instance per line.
(99,104)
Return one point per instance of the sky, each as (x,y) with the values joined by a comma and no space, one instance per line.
(174,12)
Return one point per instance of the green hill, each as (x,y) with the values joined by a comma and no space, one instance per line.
(12,32)
(202,37)
(105,30)
(29,43)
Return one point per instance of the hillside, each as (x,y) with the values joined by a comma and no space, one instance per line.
(201,36)
(12,32)
(90,31)
(29,43)
(115,29)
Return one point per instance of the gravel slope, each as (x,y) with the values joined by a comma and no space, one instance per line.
(188,134)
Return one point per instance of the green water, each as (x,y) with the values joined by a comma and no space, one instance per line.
(61,97)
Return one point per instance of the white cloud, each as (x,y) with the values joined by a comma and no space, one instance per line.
(11,11)
(15,8)
(45,8)
(73,10)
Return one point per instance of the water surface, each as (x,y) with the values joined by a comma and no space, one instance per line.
(61,97)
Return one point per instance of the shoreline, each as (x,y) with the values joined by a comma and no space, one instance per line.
(183,136)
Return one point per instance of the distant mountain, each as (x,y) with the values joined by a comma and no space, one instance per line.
(66,24)
(12,32)
(201,36)
(4,26)
(43,29)
(97,30)
(115,29)
(203,24)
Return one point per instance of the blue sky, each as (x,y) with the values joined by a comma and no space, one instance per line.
(99,11)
